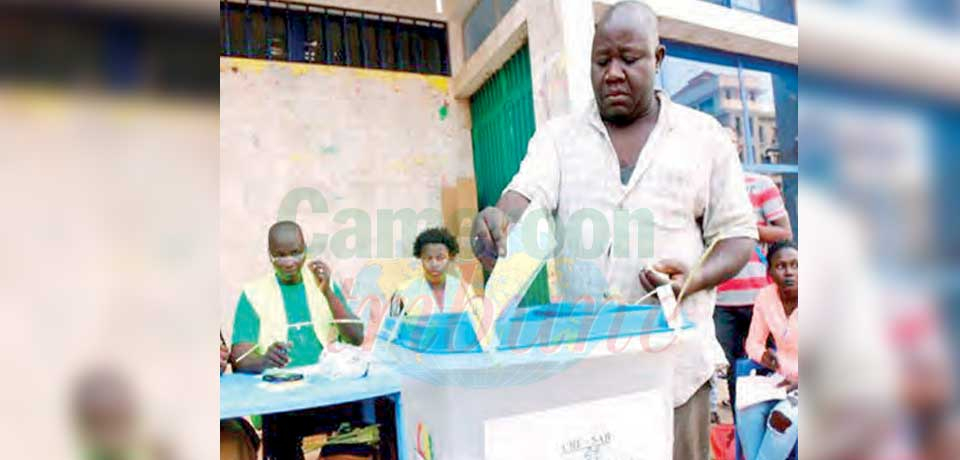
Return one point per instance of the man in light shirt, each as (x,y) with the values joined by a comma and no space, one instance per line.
(637,156)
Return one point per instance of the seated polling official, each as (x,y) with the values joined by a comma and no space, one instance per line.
(435,290)
(238,439)
(769,430)
(290,314)
(286,318)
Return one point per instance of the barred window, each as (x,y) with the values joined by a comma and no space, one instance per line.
(298,32)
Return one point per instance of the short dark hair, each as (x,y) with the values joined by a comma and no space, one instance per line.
(778,246)
(437,235)
(285,229)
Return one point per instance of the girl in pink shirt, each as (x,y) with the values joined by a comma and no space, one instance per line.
(775,313)
(768,430)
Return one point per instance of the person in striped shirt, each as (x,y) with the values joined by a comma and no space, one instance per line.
(735,296)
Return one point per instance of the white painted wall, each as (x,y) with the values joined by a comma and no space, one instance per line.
(366,140)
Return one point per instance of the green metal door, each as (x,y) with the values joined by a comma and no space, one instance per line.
(502,113)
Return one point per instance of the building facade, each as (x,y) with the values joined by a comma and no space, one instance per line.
(339,113)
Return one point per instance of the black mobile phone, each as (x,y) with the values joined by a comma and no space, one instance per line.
(283,377)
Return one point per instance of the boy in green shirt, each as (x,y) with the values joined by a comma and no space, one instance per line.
(286,318)
(289,317)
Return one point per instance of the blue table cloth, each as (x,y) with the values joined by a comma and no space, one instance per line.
(244,394)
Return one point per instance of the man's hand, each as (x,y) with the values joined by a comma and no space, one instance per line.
(769,360)
(489,236)
(224,358)
(663,272)
(277,355)
(322,273)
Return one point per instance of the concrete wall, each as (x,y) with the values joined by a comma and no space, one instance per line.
(559,34)
(296,137)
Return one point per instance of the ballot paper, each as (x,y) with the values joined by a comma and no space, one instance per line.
(754,389)
(530,242)
(669,304)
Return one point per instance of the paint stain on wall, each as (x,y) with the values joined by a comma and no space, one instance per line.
(325,150)
(444,111)
(438,83)
(441,84)
(419,163)
(235,64)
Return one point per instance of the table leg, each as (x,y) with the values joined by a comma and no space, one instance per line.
(369,411)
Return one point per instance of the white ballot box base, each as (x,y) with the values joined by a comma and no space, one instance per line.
(618,400)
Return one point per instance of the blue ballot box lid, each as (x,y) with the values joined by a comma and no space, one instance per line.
(530,327)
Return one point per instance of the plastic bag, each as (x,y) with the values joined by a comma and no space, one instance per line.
(346,362)
(723,441)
